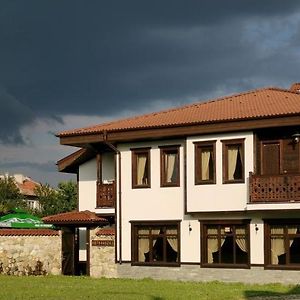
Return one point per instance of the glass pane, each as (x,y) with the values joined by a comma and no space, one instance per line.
(172,249)
(171,167)
(234,162)
(171,230)
(278,255)
(143,249)
(144,231)
(206,164)
(212,230)
(142,172)
(277,230)
(294,250)
(227,251)
(157,249)
(212,250)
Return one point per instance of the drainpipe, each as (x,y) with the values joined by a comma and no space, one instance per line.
(118,222)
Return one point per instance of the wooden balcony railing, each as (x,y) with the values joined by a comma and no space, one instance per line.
(106,194)
(274,188)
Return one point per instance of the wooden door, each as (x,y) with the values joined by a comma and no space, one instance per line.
(68,250)
(270,160)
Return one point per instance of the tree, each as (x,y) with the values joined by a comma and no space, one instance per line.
(53,201)
(10,196)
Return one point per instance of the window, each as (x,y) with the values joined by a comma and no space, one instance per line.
(225,243)
(282,244)
(233,161)
(169,166)
(155,243)
(205,166)
(141,168)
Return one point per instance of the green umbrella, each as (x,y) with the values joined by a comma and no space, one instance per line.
(21,219)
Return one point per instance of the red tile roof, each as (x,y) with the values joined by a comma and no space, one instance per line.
(75,217)
(261,103)
(28,232)
(106,231)
(28,187)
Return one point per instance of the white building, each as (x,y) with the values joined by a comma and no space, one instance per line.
(215,184)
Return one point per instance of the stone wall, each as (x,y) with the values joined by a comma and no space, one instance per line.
(30,252)
(102,254)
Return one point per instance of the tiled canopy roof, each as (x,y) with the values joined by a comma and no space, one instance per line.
(106,231)
(75,217)
(262,103)
(28,232)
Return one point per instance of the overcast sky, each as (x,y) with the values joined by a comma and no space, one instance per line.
(67,64)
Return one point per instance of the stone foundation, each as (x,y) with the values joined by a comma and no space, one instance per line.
(23,254)
(195,273)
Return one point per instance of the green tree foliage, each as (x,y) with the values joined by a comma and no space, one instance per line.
(10,196)
(57,201)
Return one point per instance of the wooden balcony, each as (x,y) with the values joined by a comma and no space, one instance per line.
(274,188)
(106,194)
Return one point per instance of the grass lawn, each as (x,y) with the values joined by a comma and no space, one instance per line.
(60,287)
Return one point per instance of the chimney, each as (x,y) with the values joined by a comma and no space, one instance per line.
(295,87)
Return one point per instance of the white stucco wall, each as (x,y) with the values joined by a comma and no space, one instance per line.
(219,196)
(155,203)
(87,182)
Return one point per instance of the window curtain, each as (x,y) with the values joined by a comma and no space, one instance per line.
(141,169)
(143,244)
(240,238)
(232,161)
(277,244)
(205,157)
(173,239)
(212,244)
(292,230)
(170,160)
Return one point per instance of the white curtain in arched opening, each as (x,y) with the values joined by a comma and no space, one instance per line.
(205,157)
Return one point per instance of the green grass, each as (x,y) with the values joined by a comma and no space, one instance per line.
(60,287)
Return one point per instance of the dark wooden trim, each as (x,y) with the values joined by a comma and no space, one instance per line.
(184,177)
(77,200)
(88,253)
(226,222)
(134,229)
(99,167)
(155,222)
(257,265)
(116,155)
(197,161)
(203,242)
(134,153)
(190,263)
(181,130)
(120,210)
(225,266)
(267,243)
(164,151)
(225,144)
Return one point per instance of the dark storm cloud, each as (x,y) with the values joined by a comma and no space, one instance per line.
(91,57)
(43,167)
